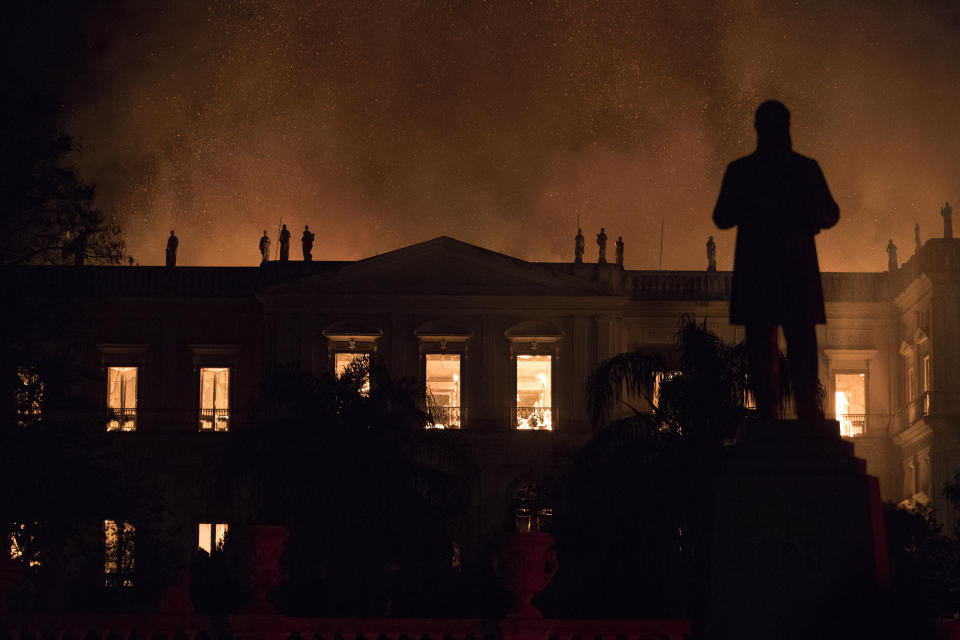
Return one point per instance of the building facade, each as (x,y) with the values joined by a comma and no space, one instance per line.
(502,348)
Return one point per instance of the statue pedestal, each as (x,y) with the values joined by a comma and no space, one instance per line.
(798,542)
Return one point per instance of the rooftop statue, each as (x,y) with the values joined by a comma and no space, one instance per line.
(284,244)
(711,254)
(619,251)
(779,200)
(172,244)
(947,213)
(892,263)
(264,247)
(602,244)
(578,247)
(306,243)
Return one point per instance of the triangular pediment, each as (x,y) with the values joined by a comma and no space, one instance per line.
(443,266)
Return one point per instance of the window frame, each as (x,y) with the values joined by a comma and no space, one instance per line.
(123,355)
(445,337)
(215,356)
(535,338)
(201,409)
(515,408)
(865,372)
(32,392)
(460,410)
(119,562)
(215,541)
(134,411)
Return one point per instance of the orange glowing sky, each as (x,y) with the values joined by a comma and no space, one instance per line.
(382,124)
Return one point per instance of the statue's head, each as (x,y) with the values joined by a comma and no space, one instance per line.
(284,226)
(306,227)
(772,122)
(772,118)
(171,231)
(710,239)
(601,229)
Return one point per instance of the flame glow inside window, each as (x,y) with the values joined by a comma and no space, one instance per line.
(534,392)
(850,402)
(211,536)
(443,389)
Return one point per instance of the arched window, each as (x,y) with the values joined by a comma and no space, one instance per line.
(532,507)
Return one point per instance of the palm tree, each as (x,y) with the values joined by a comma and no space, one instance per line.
(372,499)
(632,525)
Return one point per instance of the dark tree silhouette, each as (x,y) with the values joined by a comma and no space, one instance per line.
(371,498)
(47,215)
(63,477)
(47,212)
(632,527)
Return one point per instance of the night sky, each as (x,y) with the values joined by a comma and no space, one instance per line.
(382,124)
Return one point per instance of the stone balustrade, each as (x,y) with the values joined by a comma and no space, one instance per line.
(278,627)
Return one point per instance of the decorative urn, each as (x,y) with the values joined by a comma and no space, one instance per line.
(525,564)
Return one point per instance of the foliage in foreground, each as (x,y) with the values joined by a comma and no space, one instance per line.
(372,499)
(633,517)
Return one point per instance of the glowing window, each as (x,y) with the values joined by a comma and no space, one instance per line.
(121,398)
(532,510)
(534,392)
(118,553)
(342,360)
(211,536)
(443,390)
(214,399)
(850,403)
(30,396)
(22,545)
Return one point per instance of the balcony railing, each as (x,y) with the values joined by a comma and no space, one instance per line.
(445,418)
(121,419)
(535,418)
(857,425)
(214,420)
(852,424)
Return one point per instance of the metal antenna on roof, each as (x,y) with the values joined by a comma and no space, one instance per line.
(276,250)
(660,262)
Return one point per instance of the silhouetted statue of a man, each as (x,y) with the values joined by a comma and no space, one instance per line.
(711,254)
(264,247)
(172,244)
(618,252)
(602,244)
(892,263)
(779,200)
(947,213)
(916,238)
(306,243)
(284,244)
(578,247)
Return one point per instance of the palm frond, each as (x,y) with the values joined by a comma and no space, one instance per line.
(631,373)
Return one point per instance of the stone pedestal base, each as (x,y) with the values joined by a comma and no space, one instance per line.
(797,536)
